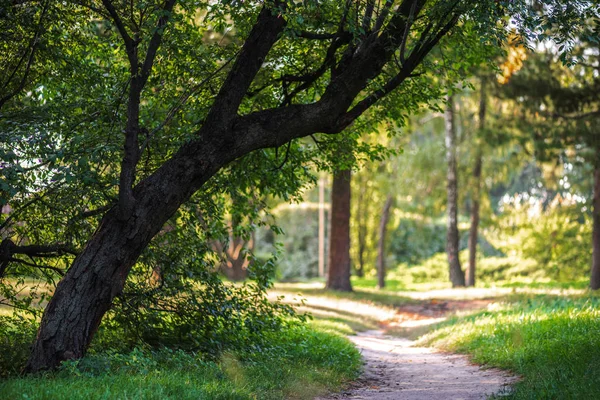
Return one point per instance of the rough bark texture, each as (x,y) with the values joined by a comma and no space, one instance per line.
(383,222)
(457,276)
(99,272)
(474,229)
(595,279)
(338,277)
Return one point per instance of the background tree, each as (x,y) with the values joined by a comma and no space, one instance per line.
(561,110)
(457,276)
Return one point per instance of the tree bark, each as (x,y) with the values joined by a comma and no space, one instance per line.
(474,230)
(457,276)
(595,278)
(383,222)
(338,277)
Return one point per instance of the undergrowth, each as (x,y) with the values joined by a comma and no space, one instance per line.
(299,363)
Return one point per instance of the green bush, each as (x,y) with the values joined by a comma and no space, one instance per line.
(17,334)
(560,241)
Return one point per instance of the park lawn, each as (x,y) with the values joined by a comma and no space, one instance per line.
(301,363)
(551,342)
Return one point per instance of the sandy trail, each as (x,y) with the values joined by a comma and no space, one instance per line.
(394,369)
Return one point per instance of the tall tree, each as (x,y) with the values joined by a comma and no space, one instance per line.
(457,275)
(338,275)
(476,194)
(381,241)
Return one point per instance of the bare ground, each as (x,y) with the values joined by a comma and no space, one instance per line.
(394,368)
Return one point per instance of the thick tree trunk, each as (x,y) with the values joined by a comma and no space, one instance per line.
(98,274)
(338,277)
(474,230)
(595,279)
(457,276)
(383,222)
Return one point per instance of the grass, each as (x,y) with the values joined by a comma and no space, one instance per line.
(553,343)
(546,333)
(302,363)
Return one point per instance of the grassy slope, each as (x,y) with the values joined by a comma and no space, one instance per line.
(552,342)
(304,363)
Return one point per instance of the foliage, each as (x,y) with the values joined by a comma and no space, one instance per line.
(551,342)
(17,334)
(300,363)
(558,238)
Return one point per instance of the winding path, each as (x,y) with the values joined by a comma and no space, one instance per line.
(395,370)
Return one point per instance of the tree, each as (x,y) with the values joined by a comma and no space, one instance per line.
(457,276)
(561,106)
(381,255)
(476,195)
(359,53)
(338,274)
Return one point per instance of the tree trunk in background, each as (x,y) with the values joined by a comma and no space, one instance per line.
(474,231)
(595,279)
(362,231)
(338,277)
(321,227)
(236,262)
(383,222)
(457,276)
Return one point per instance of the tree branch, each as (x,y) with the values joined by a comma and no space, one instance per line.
(8,249)
(129,44)
(156,40)
(262,37)
(33,46)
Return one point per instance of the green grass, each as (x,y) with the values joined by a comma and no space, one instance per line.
(553,343)
(302,362)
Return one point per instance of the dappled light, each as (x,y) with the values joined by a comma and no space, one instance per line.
(287,199)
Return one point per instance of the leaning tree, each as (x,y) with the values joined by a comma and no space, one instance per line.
(239,76)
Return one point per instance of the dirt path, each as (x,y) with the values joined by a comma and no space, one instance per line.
(395,370)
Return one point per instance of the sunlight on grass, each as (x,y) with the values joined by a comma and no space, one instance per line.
(554,343)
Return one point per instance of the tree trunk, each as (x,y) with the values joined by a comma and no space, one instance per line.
(98,274)
(474,231)
(338,277)
(385,217)
(595,279)
(457,276)
(361,219)
(236,262)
